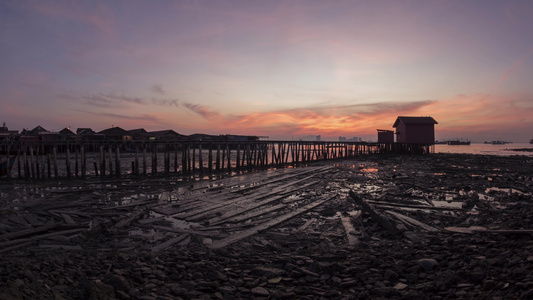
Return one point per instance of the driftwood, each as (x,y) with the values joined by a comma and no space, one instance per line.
(307,224)
(479,229)
(385,223)
(388,205)
(412,222)
(169,243)
(18,234)
(127,221)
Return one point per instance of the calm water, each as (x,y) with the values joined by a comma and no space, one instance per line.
(487,149)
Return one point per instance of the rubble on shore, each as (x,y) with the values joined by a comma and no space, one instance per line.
(375,227)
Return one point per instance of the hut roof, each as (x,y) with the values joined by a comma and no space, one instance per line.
(414,120)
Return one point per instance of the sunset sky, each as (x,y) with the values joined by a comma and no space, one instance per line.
(283,69)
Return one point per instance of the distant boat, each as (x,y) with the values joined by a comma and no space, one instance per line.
(458,142)
(531,141)
(496,142)
(5,166)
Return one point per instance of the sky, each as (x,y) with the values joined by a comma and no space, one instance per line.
(282,69)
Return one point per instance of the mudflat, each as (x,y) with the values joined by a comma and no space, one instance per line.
(377,226)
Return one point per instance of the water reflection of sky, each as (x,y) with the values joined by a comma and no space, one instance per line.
(486,149)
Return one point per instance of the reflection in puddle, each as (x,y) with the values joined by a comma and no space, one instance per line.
(507,191)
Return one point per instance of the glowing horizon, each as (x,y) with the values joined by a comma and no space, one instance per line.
(283,69)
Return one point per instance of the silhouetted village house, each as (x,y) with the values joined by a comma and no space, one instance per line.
(385,136)
(415,130)
(6,134)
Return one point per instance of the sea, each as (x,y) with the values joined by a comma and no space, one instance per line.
(487,149)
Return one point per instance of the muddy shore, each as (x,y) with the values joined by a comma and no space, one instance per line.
(440,226)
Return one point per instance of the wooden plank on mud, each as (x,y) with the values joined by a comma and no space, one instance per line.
(305,225)
(169,243)
(279,194)
(187,231)
(264,226)
(18,234)
(388,204)
(412,222)
(240,218)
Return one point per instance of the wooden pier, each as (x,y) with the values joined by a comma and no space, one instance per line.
(68,160)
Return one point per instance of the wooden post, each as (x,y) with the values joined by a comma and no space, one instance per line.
(67,158)
(83,161)
(95,168)
(76,157)
(136,166)
(55,162)
(193,157)
(189,169)
(200,159)
(210,158)
(223,157)
(183,158)
(102,161)
(32,165)
(175,158)
(229,157)
(117,161)
(218,158)
(238,161)
(8,157)
(110,161)
(154,158)
(49,165)
(144,159)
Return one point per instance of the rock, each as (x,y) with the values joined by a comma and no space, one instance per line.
(118,282)
(260,291)
(428,263)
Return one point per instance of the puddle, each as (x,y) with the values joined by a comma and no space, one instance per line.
(507,191)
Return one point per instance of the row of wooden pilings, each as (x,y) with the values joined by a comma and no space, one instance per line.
(187,158)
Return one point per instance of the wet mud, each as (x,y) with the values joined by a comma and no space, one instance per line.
(436,226)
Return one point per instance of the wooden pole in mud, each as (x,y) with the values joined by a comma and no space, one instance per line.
(117,161)
(8,158)
(218,158)
(229,157)
(200,159)
(154,158)
(144,159)
(32,166)
(26,167)
(110,161)
(136,163)
(175,158)
(83,161)
(55,162)
(189,169)
(67,159)
(49,165)
(223,157)
(183,159)
(102,161)
(76,156)
(238,160)
(210,158)
(193,157)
